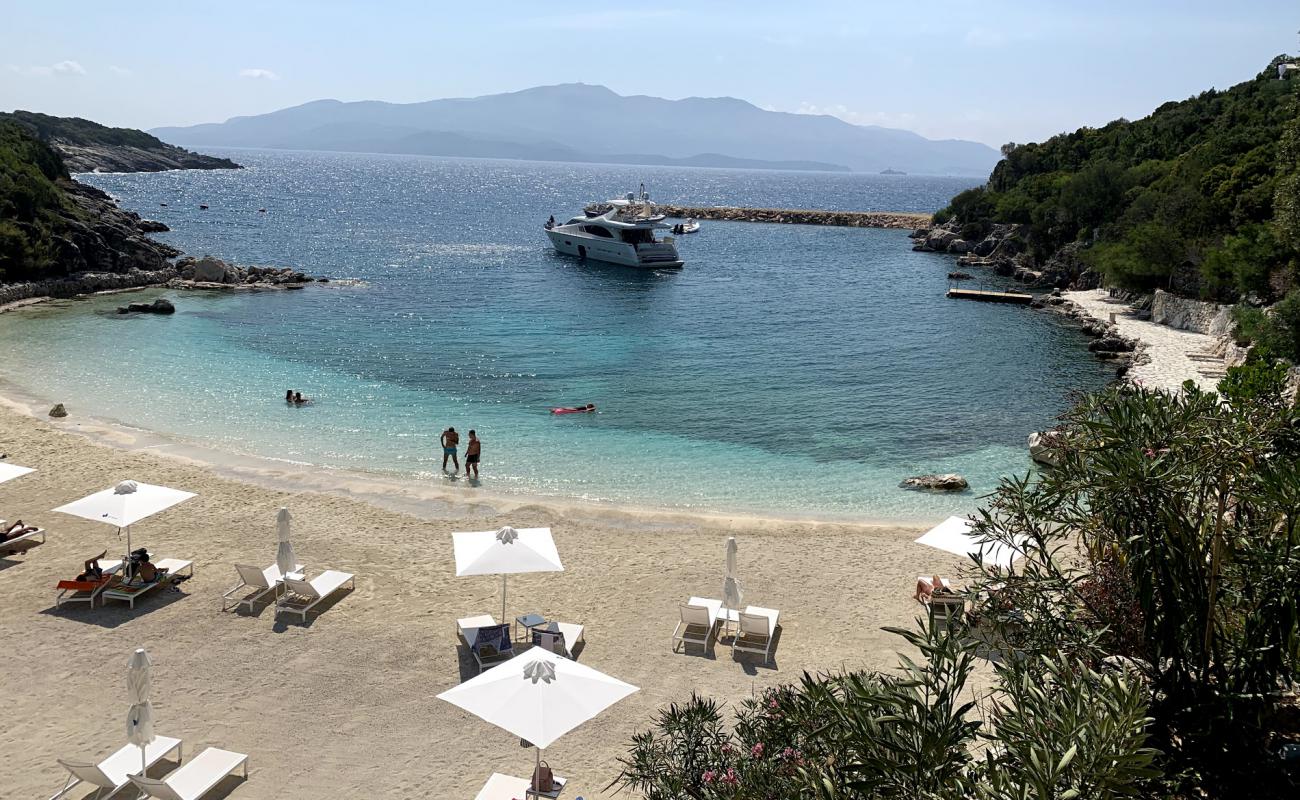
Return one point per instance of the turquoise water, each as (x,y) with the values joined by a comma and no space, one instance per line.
(789,370)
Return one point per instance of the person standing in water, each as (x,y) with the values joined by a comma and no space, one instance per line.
(472,451)
(449,441)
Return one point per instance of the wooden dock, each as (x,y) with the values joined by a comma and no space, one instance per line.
(987,296)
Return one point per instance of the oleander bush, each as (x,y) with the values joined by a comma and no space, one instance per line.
(1146,645)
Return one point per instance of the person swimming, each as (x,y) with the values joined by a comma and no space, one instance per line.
(288,395)
(299,400)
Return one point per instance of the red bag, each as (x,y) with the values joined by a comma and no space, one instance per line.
(543,778)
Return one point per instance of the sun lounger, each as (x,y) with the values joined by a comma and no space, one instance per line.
(559,637)
(508,787)
(111,773)
(757,629)
(260,581)
(492,645)
(86,591)
(301,595)
(24,542)
(133,590)
(467,628)
(699,618)
(947,609)
(195,779)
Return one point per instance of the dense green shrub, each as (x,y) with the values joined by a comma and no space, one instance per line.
(1275,334)
(31,204)
(974,231)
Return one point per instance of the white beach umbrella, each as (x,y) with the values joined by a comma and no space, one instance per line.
(538,696)
(505,552)
(732,596)
(955,535)
(284,557)
(10,471)
(139,719)
(125,504)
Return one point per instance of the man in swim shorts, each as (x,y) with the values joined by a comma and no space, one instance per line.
(472,451)
(449,441)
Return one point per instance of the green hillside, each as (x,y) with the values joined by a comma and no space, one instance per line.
(1200,196)
(78,131)
(32,205)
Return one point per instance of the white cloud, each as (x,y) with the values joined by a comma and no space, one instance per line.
(259,74)
(42,71)
(120,71)
(884,118)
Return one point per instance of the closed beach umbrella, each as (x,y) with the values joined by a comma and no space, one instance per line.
(732,596)
(505,552)
(139,719)
(284,558)
(10,471)
(955,535)
(538,696)
(125,504)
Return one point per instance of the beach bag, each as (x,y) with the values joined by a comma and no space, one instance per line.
(543,778)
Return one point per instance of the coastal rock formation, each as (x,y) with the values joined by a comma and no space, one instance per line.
(58,412)
(948,482)
(1044,447)
(1190,315)
(151,226)
(209,272)
(160,306)
(90,147)
(844,219)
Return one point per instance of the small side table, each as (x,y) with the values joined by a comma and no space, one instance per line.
(528,622)
(551,795)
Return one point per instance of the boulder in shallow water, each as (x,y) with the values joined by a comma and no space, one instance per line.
(58,412)
(1044,447)
(948,482)
(160,306)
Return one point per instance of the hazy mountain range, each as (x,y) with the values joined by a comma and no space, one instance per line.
(580,122)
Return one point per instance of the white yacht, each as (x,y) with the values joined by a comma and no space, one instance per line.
(620,232)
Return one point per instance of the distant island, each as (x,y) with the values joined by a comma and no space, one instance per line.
(585,123)
(892,172)
(90,147)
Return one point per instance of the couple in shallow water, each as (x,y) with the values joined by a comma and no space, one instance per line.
(473,449)
(295,398)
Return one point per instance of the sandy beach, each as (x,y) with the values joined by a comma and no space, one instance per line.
(345,704)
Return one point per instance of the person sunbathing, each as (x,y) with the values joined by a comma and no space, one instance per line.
(927,588)
(93,571)
(148,573)
(17,529)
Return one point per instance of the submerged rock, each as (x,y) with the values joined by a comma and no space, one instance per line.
(1045,447)
(948,482)
(58,411)
(160,306)
(151,226)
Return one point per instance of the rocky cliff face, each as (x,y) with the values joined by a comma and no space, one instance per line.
(125,158)
(1002,249)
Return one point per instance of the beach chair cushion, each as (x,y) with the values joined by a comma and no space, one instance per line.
(194,779)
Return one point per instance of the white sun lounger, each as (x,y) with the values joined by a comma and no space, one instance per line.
(260,581)
(195,779)
(111,773)
(699,618)
(130,592)
(26,541)
(757,629)
(508,787)
(302,596)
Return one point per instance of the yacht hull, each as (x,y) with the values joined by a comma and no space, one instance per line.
(607,250)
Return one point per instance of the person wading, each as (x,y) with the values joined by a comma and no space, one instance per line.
(449,441)
(472,451)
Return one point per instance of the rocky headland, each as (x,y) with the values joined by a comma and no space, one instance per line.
(1002,249)
(90,147)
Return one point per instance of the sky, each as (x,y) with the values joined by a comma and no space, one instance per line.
(988,70)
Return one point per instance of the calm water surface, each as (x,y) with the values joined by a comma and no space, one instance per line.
(794,370)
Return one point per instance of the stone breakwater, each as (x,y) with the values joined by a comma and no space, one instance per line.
(796,216)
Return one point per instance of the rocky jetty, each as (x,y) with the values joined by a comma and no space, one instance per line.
(949,482)
(794,216)
(208,272)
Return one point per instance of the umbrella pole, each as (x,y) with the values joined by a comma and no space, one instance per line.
(503,599)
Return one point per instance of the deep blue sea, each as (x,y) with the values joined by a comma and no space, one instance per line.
(788,370)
